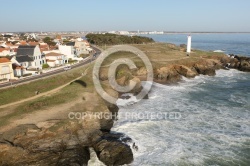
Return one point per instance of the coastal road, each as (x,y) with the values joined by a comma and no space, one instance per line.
(55,72)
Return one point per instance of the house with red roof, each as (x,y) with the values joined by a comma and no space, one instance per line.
(4,51)
(54,59)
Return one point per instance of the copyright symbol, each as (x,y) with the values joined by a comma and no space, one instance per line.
(112,72)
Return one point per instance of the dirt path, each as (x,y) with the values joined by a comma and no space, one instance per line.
(47,117)
(41,116)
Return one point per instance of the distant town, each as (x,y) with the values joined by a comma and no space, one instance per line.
(28,54)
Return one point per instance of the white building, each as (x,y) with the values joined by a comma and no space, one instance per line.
(123,32)
(6,71)
(30,56)
(55,59)
(82,47)
(69,51)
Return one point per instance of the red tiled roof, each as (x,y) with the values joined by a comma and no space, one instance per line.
(51,60)
(8,44)
(33,43)
(53,54)
(23,43)
(4,60)
(3,49)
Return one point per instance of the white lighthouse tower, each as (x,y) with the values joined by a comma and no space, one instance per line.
(189,41)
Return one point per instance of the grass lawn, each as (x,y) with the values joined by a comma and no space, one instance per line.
(24,91)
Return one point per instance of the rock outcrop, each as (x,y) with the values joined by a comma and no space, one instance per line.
(65,143)
(111,151)
(238,62)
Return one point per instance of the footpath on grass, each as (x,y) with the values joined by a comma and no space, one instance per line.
(45,93)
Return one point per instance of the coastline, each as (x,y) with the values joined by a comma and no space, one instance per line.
(67,139)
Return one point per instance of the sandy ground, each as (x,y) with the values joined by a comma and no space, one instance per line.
(52,113)
(37,117)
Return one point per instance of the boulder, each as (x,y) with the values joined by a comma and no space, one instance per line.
(185,71)
(210,72)
(244,66)
(111,151)
(167,75)
(205,70)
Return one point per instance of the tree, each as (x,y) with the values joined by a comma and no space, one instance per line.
(112,39)
(49,41)
(45,66)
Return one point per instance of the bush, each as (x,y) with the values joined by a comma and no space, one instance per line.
(84,55)
(45,66)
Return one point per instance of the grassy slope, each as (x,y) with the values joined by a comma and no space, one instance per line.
(23,91)
(65,95)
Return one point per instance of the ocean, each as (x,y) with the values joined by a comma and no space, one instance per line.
(199,121)
(230,43)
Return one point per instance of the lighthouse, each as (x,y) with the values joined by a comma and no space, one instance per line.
(189,40)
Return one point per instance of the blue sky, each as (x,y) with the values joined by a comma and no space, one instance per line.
(96,15)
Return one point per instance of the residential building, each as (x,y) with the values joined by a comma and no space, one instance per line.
(30,56)
(6,71)
(55,59)
(80,47)
(68,50)
(18,70)
(4,51)
(44,47)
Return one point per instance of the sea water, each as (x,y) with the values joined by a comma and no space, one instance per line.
(214,126)
(230,43)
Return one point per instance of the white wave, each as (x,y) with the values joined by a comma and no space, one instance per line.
(94,161)
(218,51)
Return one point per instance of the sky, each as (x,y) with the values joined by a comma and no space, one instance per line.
(125,15)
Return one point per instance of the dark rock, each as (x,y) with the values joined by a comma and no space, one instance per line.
(146,97)
(225,60)
(106,122)
(244,66)
(210,72)
(201,69)
(183,45)
(241,58)
(78,156)
(125,97)
(113,152)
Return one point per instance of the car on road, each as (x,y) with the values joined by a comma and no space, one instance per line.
(67,68)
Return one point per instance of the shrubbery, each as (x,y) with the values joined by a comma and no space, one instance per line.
(45,66)
(113,39)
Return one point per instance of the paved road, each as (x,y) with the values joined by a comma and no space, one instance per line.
(98,52)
